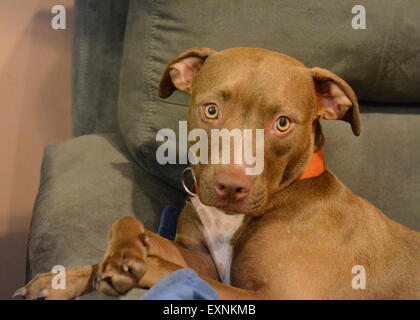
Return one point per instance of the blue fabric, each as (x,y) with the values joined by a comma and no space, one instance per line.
(183,284)
(167,223)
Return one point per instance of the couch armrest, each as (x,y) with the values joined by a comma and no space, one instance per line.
(87,183)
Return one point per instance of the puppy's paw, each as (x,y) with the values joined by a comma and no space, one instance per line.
(37,289)
(41,286)
(124,263)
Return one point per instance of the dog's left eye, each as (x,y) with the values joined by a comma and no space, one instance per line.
(211,111)
(283,124)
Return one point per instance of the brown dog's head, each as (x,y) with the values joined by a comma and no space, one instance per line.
(249,88)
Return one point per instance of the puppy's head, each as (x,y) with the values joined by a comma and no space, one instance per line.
(249,88)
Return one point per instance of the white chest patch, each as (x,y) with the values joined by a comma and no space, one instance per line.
(218,230)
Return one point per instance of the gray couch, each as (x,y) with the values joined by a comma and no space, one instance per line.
(108,170)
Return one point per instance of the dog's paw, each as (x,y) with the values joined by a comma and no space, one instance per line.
(124,264)
(41,288)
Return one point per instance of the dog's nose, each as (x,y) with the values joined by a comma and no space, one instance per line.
(232,183)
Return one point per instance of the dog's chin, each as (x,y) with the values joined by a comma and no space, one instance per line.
(229,211)
(224,206)
(230,208)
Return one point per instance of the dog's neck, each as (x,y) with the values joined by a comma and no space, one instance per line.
(316,165)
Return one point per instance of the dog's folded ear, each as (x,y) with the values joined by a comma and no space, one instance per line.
(335,98)
(182,70)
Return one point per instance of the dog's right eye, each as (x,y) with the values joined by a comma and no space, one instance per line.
(211,111)
(283,124)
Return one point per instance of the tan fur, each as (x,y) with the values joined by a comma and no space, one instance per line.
(299,239)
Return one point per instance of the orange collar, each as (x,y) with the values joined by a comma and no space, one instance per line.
(316,166)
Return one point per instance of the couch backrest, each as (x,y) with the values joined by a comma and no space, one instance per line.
(97,53)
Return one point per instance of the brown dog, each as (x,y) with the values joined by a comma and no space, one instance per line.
(288,233)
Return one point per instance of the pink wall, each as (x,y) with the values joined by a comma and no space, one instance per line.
(35,71)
